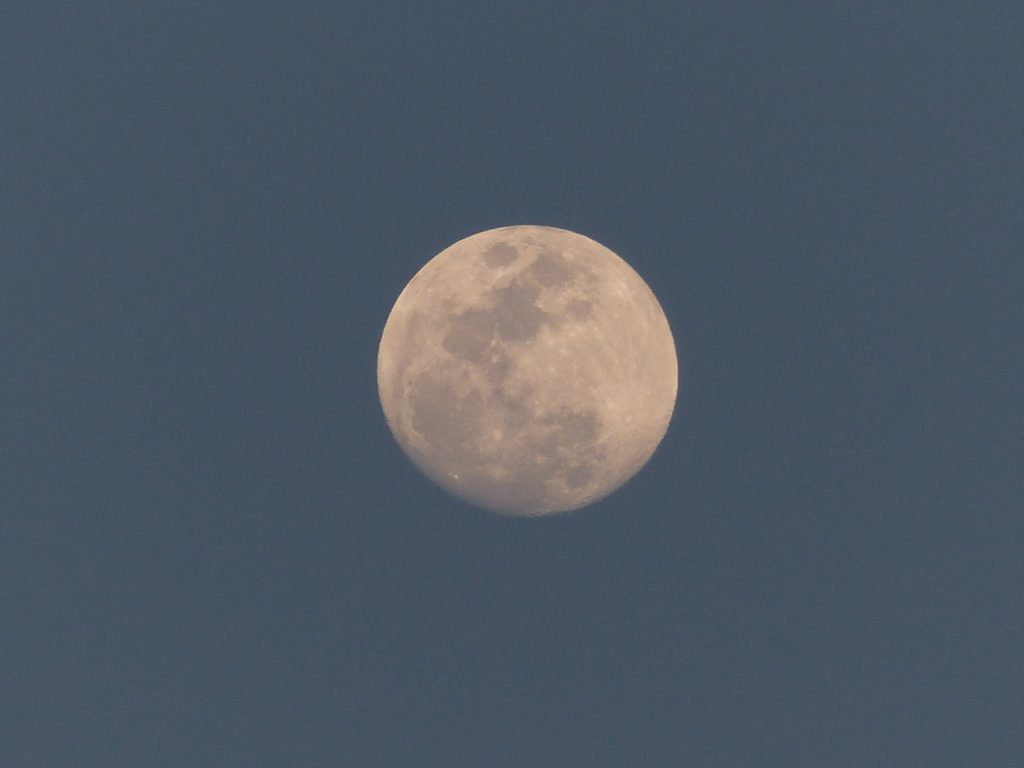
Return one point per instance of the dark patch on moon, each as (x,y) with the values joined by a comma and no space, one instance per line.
(470,334)
(517,316)
(580,309)
(498,369)
(500,255)
(551,269)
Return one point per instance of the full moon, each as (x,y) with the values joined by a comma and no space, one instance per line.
(528,370)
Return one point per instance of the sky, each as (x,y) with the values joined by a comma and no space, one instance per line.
(214,554)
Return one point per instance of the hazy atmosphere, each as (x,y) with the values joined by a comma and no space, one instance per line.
(213,552)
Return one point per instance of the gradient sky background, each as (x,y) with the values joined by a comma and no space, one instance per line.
(212,552)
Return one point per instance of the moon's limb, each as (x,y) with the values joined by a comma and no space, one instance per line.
(528,370)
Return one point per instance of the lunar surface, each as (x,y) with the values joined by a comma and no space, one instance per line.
(528,370)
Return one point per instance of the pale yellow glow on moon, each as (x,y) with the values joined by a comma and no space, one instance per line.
(528,370)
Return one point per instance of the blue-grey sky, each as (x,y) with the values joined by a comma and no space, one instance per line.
(212,552)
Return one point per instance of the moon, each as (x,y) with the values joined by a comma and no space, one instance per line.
(528,370)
